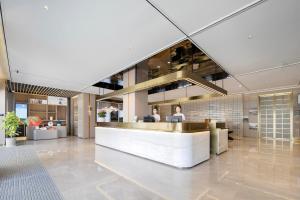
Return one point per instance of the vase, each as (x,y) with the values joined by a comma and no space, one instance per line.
(101,119)
(10,142)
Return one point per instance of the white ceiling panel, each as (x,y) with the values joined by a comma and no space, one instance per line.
(81,42)
(96,90)
(92,90)
(46,81)
(231,85)
(4,70)
(192,15)
(263,37)
(288,76)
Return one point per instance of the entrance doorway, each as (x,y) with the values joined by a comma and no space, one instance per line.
(275,116)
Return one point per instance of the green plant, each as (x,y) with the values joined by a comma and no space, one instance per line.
(10,124)
(102,114)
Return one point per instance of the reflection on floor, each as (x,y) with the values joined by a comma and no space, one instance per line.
(71,164)
(251,169)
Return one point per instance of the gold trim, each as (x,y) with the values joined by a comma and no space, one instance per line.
(184,127)
(173,77)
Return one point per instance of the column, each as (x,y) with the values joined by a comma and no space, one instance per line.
(86,115)
(135,104)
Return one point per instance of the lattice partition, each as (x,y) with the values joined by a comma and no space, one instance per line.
(227,109)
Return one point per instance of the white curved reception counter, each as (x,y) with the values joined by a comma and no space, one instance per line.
(178,149)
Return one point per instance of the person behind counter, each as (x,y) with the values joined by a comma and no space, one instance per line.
(156,115)
(178,112)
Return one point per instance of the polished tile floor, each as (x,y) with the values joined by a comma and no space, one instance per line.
(251,169)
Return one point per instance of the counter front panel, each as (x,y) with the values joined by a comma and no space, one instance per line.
(175,149)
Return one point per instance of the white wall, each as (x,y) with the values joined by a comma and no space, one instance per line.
(3,96)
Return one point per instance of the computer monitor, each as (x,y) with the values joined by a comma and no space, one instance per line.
(174,119)
(149,118)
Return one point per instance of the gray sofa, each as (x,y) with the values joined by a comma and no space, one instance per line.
(37,134)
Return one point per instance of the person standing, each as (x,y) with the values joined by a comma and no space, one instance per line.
(155,114)
(179,113)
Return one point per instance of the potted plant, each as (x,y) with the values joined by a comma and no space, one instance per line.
(102,116)
(10,124)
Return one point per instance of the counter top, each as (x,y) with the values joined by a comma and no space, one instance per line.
(182,127)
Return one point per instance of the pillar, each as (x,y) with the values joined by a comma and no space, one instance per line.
(86,115)
(136,103)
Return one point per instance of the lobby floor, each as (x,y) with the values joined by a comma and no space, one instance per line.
(251,169)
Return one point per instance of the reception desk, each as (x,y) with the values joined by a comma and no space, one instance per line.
(181,145)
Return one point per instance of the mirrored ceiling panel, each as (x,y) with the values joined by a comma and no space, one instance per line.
(184,56)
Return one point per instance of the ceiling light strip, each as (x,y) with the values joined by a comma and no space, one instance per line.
(270,68)
(227,17)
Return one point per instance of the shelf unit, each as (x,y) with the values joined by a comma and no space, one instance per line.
(38,105)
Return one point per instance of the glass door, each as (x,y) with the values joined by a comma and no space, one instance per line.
(275,116)
(266,116)
(283,117)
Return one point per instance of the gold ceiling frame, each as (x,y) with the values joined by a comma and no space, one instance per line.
(169,78)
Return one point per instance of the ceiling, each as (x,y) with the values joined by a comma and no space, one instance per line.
(38,90)
(4,70)
(73,44)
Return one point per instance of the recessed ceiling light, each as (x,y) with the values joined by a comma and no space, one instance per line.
(158,67)
(46,7)
(169,62)
(250,37)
